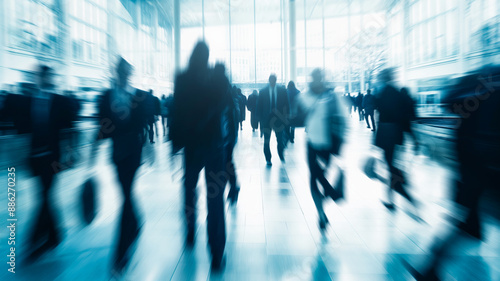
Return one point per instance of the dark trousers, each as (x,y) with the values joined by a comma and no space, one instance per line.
(279,139)
(397,180)
(369,114)
(230,169)
(292,133)
(318,174)
(151,131)
(44,230)
(212,160)
(475,178)
(129,220)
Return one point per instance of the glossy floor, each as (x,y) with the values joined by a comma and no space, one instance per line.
(272,233)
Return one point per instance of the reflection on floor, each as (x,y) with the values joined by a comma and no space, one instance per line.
(273,231)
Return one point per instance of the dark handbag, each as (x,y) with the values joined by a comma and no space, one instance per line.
(88,201)
(336,143)
(369,168)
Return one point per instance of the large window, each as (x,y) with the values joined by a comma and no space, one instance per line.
(33,26)
(242,42)
(251,38)
(88,23)
(433,30)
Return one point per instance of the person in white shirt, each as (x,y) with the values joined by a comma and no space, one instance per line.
(325,126)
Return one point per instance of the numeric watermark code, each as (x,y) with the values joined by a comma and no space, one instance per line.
(11,220)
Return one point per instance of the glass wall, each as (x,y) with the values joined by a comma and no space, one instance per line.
(242,42)
(250,37)
(33,25)
(433,30)
(88,22)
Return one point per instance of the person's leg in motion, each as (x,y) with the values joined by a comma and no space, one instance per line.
(327,187)
(45,235)
(151,133)
(156,127)
(267,149)
(231,173)
(373,121)
(129,220)
(280,139)
(470,190)
(216,228)
(367,115)
(315,170)
(192,170)
(388,155)
(164,125)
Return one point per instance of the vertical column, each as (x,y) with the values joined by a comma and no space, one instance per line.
(361,65)
(285,41)
(110,36)
(203,18)
(255,44)
(463,36)
(3,34)
(282,76)
(349,82)
(140,51)
(230,47)
(62,47)
(177,35)
(323,33)
(293,48)
(156,49)
(404,38)
(305,41)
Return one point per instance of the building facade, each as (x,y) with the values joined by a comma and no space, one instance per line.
(82,39)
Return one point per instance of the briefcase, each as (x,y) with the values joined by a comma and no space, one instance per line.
(88,201)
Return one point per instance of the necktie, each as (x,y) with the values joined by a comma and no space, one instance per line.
(273,100)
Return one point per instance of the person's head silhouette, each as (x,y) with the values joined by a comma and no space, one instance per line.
(199,57)
(272,80)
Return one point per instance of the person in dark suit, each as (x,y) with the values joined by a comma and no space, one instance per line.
(359,105)
(477,186)
(44,114)
(369,107)
(252,107)
(124,113)
(232,115)
(243,105)
(410,116)
(393,114)
(293,94)
(154,108)
(198,127)
(273,110)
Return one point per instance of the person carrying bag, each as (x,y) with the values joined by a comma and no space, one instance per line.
(319,111)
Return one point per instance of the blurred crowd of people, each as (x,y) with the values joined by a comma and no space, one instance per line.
(203,117)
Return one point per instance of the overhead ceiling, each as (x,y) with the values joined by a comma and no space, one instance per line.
(217,11)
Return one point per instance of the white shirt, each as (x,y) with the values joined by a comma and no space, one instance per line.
(325,116)
(272,94)
(316,107)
